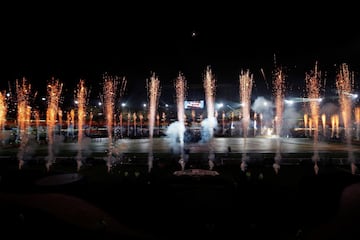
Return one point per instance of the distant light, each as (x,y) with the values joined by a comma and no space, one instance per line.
(144,105)
(166,105)
(352,95)
(289,102)
(100,103)
(8,94)
(43,98)
(76,101)
(123,104)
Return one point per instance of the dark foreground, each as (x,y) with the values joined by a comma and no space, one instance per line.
(130,203)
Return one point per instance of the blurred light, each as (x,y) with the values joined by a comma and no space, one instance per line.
(289,102)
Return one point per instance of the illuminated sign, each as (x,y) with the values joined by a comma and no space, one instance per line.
(194,104)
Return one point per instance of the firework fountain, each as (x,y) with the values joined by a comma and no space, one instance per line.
(306,121)
(23,90)
(344,83)
(141,117)
(81,96)
(210,124)
(70,121)
(134,117)
(323,121)
(312,80)
(3,111)
(357,120)
(37,123)
(128,123)
(111,86)
(153,87)
(335,126)
(246,82)
(54,89)
(279,90)
(91,117)
(180,87)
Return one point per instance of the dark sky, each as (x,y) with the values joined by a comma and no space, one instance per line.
(71,42)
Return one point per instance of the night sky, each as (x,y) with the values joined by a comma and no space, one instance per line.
(70,42)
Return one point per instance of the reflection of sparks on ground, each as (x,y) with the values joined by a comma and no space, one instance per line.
(196,172)
(243,166)
(276,167)
(316,168)
(353,168)
(211,160)
(182,164)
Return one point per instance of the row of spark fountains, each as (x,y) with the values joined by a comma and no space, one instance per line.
(114,87)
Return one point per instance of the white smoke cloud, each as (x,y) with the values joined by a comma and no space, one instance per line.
(262,105)
(265,108)
(208,126)
(329,109)
(291,118)
(175,135)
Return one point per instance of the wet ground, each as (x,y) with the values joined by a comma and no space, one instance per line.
(130,203)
